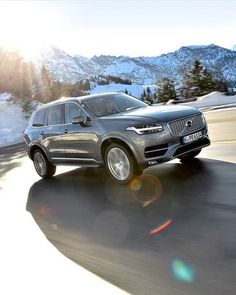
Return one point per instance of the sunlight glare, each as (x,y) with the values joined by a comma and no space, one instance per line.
(25,29)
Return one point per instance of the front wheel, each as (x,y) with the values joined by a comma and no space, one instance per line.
(42,166)
(190,156)
(120,164)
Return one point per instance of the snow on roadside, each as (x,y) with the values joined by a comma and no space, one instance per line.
(135,89)
(211,100)
(5,96)
(12,121)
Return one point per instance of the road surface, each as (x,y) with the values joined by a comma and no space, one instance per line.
(171,232)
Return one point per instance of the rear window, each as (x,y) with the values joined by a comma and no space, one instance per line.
(56,115)
(39,118)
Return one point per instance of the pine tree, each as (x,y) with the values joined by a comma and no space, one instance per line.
(198,81)
(208,84)
(148,95)
(222,86)
(28,105)
(144,94)
(195,79)
(220,83)
(86,85)
(148,90)
(15,74)
(45,87)
(149,98)
(166,90)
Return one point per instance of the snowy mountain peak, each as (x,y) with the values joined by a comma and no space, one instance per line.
(142,70)
(234,47)
(201,46)
(197,46)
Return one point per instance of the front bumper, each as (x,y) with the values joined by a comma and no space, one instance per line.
(159,149)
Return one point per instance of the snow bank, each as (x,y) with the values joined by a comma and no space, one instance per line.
(5,96)
(135,89)
(12,121)
(212,99)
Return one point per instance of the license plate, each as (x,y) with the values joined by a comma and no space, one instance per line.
(192,137)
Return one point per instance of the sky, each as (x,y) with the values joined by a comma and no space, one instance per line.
(133,28)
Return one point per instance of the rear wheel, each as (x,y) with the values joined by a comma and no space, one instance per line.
(190,156)
(42,166)
(120,164)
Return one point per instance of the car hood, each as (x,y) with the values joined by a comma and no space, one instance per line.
(162,114)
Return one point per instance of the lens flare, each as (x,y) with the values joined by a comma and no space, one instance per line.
(161,227)
(135,185)
(117,194)
(182,271)
(145,189)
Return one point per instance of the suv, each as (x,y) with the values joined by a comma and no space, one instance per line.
(112,129)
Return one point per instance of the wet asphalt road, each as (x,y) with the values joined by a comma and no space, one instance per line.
(107,228)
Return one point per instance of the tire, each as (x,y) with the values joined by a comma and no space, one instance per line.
(121,164)
(42,165)
(190,156)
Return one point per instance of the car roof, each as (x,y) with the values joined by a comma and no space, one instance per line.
(78,99)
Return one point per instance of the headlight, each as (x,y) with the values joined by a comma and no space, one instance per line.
(146,129)
(203,119)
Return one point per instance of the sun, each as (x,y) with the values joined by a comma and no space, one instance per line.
(30,50)
(25,28)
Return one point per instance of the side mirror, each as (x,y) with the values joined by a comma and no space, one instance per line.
(82,121)
(77,120)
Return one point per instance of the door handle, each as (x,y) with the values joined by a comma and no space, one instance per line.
(42,132)
(66,131)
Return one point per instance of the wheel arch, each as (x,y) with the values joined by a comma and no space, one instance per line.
(35,147)
(109,141)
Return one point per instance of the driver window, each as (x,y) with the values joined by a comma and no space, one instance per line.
(72,111)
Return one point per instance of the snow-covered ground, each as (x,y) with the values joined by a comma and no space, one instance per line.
(134,89)
(211,100)
(12,121)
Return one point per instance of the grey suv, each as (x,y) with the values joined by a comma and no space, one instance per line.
(115,130)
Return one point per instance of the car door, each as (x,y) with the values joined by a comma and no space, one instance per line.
(78,139)
(52,132)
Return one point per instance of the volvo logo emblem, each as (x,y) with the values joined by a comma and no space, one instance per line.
(189,124)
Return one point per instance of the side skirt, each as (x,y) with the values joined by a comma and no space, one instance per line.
(85,162)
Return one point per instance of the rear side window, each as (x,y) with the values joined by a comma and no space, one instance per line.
(56,115)
(39,118)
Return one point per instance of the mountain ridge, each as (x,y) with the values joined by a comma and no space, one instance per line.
(221,62)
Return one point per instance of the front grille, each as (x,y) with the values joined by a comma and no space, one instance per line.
(179,127)
(155,150)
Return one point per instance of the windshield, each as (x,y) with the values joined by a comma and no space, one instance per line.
(112,104)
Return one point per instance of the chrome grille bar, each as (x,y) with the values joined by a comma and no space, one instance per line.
(179,127)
